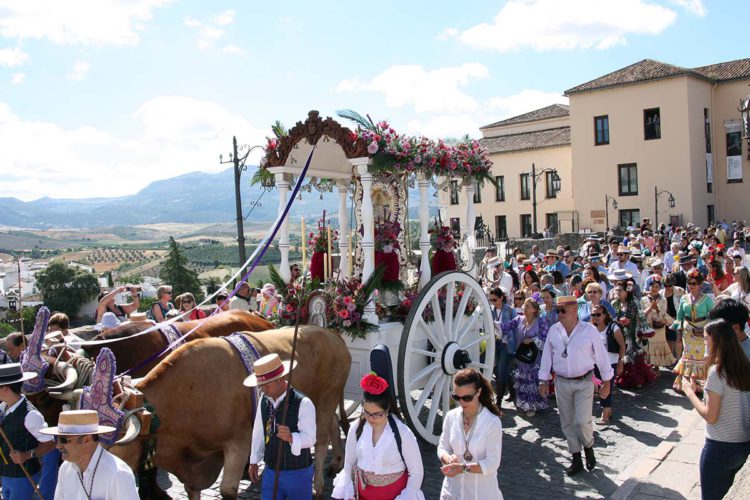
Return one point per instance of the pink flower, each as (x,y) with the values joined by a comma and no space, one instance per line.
(372,148)
(347,300)
(289,308)
(343,314)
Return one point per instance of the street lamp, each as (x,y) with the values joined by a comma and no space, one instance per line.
(239,167)
(744,110)
(607,200)
(670,201)
(535,176)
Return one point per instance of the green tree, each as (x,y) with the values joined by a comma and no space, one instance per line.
(110,281)
(29,318)
(212,284)
(5,329)
(66,288)
(174,272)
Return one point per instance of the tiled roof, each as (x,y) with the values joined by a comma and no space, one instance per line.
(731,70)
(649,69)
(537,139)
(553,111)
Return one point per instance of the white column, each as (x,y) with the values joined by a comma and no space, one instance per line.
(283,186)
(368,225)
(424,230)
(343,185)
(469,189)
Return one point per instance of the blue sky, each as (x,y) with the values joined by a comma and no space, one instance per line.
(101,97)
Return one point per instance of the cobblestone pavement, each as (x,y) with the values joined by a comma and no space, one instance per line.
(535,452)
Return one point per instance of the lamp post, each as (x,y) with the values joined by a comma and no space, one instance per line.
(239,167)
(744,110)
(607,199)
(535,176)
(670,200)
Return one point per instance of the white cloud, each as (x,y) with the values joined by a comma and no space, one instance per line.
(448,33)
(18,78)
(13,57)
(232,49)
(178,135)
(445,126)
(191,22)
(226,17)
(207,37)
(100,22)
(434,91)
(523,102)
(80,71)
(694,6)
(575,24)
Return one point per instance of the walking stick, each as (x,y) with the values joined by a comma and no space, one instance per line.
(289,384)
(25,472)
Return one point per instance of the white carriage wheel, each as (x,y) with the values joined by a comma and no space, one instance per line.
(432,352)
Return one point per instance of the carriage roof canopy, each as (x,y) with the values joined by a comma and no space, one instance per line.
(336,145)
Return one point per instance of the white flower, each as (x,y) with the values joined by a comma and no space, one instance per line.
(372,148)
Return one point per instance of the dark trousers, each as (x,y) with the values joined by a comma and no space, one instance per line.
(503,365)
(720,461)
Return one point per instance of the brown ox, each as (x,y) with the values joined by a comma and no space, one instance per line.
(206,413)
(130,352)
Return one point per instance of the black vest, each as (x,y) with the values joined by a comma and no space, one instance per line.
(288,461)
(14,426)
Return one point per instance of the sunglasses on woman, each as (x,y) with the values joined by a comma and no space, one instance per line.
(596,315)
(466,399)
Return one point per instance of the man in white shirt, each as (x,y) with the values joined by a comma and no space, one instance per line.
(669,257)
(286,443)
(571,351)
(89,470)
(623,262)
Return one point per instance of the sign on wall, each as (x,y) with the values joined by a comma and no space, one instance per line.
(734,152)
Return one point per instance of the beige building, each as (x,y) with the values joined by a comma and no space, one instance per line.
(645,129)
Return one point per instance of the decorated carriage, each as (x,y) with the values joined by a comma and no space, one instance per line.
(433,316)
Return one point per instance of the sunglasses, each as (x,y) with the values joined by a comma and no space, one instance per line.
(592,291)
(560,310)
(621,254)
(596,315)
(377,414)
(65,440)
(466,399)
(692,283)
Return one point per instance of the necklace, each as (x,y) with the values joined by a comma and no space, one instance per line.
(467,436)
(93,475)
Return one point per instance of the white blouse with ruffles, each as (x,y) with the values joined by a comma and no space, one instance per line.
(383,458)
(485,445)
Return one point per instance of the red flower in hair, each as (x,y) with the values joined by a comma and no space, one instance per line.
(529,268)
(373,384)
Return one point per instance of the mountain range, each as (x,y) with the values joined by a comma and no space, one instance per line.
(197,197)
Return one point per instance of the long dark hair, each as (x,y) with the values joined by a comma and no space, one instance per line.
(385,401)
(726,353)
(486,397)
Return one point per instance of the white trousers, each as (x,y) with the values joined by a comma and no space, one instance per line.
(575,399)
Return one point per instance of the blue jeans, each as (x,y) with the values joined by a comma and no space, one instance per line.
(293,484)
(48,481)
(19,488)
(503,359)
(720,461)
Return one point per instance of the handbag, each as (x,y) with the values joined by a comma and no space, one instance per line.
(527,353)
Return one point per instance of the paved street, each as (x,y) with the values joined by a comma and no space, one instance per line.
(535,454)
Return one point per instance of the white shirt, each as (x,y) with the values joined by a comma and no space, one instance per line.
(305,438)
(240,303)
(485,445)
(628,266)
(383,458)
(585,349)
(33,422)
(113,479)
(669,261)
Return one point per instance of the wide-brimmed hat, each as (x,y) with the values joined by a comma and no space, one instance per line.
(594,256)
(138,316)
(686,258)
(565,300)
(494,262)
(267,369)
(551,253)
(636,254)
(623,249)
(109,320)
(619,275)
(12,373)
(77,423)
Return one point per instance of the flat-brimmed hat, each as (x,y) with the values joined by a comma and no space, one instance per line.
(77,423)
(686,258)
(619,275)
(267,369)
(565,300)
(594,256)
(109,320)
(623,249)
(494,262)
(636,254)
(653,262)
(138,316)
(12,373)
(552,253)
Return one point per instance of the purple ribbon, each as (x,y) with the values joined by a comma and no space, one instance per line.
(256,257)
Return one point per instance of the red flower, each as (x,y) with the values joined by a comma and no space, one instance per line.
(373,384)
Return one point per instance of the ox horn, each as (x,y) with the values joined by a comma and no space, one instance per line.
(70,396)
(71,377)
(132,428)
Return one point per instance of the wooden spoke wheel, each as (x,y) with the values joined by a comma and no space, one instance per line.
(449,328)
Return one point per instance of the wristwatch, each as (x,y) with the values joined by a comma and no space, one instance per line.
(466,468)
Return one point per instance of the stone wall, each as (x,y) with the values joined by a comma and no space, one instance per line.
(574,240)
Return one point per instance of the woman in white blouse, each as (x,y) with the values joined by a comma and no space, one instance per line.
(471,443)
(382,460)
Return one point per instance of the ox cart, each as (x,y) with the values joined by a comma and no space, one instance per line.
(449,325)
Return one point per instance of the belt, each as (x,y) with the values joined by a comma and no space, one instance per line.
(582,377)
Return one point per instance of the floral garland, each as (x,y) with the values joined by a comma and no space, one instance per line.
(429,315)
(349,298)
(443,239)
(318,242)
(386,235)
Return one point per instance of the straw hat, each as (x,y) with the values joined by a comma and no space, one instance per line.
(552,253)
(78,423)
(494,262)
(566,300)
(619,275)
(623,249)
(12,373)
(137,316)
(267,369)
